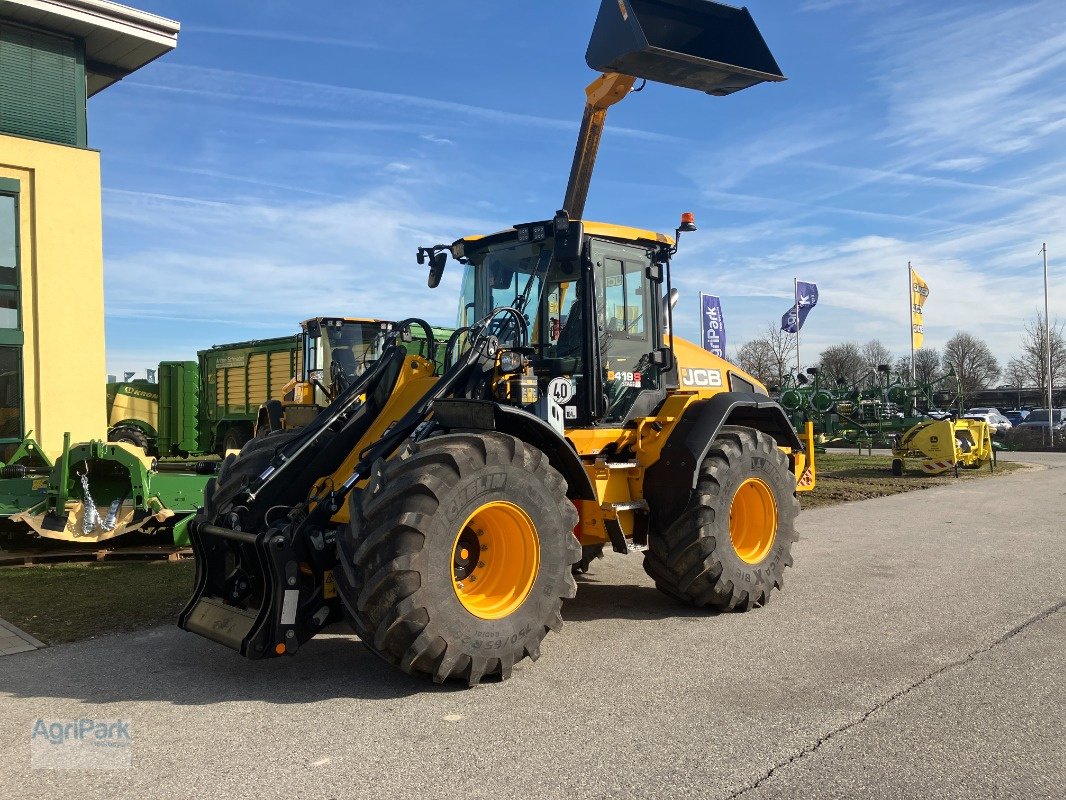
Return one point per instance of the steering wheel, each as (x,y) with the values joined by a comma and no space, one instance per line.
(337,378)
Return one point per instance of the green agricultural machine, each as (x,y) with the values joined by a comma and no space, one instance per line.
(214,404)
(205,406)
(24,477)
(876,410)
(99,490)
(133,412)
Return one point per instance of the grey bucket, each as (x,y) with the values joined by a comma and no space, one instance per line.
(696,44)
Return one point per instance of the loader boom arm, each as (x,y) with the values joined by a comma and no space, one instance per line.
(600,95)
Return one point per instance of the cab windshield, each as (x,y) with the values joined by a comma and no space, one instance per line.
(605,316)
(339,346)
(507,274)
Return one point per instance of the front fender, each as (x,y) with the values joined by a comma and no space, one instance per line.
(666,480)
(485,415)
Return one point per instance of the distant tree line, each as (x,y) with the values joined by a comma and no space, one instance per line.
(772,358)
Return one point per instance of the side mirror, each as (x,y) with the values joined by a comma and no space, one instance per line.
(436,267)
(661,358)
(569,236)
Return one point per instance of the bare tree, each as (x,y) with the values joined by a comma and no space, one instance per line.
(874,354)
(972,361)
(757,358)
(1029,369)
(769,357)
(843,362)
(926,365)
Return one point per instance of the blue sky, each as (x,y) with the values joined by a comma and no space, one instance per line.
(286,160)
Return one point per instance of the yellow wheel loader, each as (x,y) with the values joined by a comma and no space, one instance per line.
(443,510)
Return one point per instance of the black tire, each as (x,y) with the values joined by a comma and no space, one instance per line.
(694,560)
(238,470)
(130,435)
(897,467)
(236,438)
(397,559)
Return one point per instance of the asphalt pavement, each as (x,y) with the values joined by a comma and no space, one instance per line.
(917,650)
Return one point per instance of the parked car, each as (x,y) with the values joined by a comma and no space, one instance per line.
(940,414)
(999,423)
(973,412)
(1038,419)
(1016,416)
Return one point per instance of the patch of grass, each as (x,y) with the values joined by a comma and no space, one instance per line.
(65,602)
(844,477)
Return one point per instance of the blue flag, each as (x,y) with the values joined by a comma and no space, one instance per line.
(712,324)
(807,298)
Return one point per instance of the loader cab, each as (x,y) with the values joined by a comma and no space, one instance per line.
(334,351)
(594,314)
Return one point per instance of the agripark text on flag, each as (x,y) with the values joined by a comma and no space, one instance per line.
(919,293)
(712,324)
(806,299)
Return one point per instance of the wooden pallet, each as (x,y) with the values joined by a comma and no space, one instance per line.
(24,557)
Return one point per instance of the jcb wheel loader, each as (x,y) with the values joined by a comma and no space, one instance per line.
(441,511)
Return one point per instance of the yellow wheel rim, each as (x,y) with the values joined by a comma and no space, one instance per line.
(495,560)
(753,521)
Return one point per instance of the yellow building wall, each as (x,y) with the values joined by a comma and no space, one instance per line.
(62,289)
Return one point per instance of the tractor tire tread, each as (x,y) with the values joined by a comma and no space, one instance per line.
(693,560)
(383,557)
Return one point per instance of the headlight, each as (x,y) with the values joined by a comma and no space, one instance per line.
(510,361)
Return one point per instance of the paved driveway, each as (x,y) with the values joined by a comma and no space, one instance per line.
(917,651)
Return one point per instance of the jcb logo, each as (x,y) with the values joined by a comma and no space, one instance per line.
(701,377)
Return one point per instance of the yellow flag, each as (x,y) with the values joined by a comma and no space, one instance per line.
(919,293)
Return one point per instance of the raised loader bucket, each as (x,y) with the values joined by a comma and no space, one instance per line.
(696,44)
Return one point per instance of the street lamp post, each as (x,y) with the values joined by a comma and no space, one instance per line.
(1047,340)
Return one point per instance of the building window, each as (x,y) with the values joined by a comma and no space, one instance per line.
(10,349)
(8,240)
(10,393)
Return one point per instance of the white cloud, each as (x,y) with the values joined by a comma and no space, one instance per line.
(971,164)
(977,79)
(277,36)
(243,87)
(257,269)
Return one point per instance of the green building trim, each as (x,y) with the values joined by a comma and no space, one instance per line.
(42,85)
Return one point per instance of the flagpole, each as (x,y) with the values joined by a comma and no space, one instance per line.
(796,300)
(703,325)
(910,312)
(1047,338)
